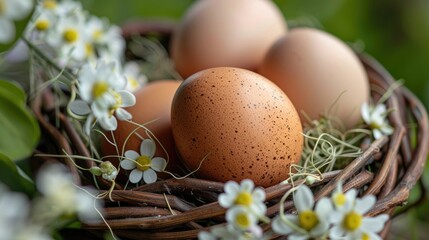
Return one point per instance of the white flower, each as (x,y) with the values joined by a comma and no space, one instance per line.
(229,232)
(136,79)
(105,39)
(61,8)
(43,23)
(14,211)
(61,196)
(69,38)
(101,87)
(243,195)
(143,165)
(10,11)
(113,44)
(350,222)
(15,218)
(375,118)
(340,200)
(308,223)
(241,218)
(96,82)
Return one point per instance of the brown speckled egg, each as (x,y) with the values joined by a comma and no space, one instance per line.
(319,73)
(152,108)
(220,33)
(243,124)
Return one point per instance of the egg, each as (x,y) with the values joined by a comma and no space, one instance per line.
(153,110)
(220,33)
(319,73)
(237,124)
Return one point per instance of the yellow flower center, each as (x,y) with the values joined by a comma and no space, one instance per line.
(50,4)
(374,125)
(97,34)
(352,221)
(89,50)
(339,199)
(134,84)
(42,24)
(70,35)
(244,198)
(242,220)
(99,89)
(365,237)
(308,220)
(143,163)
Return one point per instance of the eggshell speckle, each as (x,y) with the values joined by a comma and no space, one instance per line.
(243,124)
(221,33)
(153,109)
(319,73)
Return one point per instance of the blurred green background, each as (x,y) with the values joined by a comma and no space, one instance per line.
(395,32)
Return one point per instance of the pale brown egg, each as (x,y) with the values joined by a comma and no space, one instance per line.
(319,73)
(153,109)
(221,33)
(240,122)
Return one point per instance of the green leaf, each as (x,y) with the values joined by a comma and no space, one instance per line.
(10,175)
(19,129)
(19,30)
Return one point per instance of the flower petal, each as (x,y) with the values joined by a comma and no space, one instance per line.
(226,200)
(364,204)
(379,110)
(128,164)
(108,123)
(136,175)
(336,232)
(131,154)
(258,195)
(148,148)
(386,129)
(324,208)
(374,224)
(258,209)
(7,32)
(336,217)
(351,195)
(377,134)
(206,236)
(123,114)
(20,9)
(128,99)
(298,236)
(247,185)
(158,164)
(320,229)
(149,176)
(303,199)
(80,107)
(281,227)
(365,112)
(231,187)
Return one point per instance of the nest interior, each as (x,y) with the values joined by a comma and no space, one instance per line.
(179,209)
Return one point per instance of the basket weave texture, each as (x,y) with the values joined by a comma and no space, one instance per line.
(143,212)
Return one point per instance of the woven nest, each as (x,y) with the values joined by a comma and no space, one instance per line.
(179,209)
